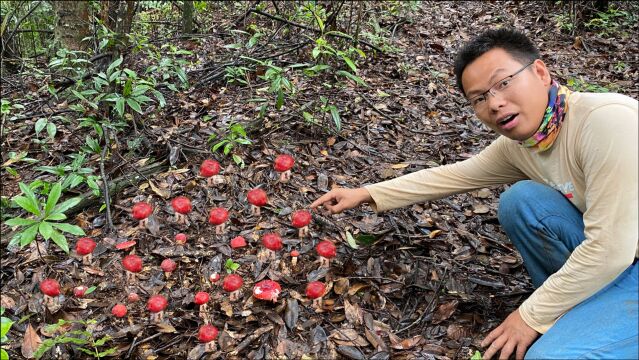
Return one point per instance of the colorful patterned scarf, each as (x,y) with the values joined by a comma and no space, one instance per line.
(557,108)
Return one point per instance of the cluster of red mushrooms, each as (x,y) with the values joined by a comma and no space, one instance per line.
(267,290)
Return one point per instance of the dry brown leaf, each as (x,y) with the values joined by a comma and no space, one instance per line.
(165,328)
(406,344)
(348,337)
(227,308)
(162,192)
(340,285)
(457,332)
(30,342)
(480,209)
(357,287)
(353,313)
(7,302)
(434,233)
(444,311)
(400,166)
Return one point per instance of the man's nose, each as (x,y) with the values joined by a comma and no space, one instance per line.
(496,100)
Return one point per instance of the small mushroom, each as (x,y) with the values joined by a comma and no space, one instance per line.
(272,242)
(125,245)
(132,264)
(238,242)
(201,299)
(214,278)
(119,310)
(294,255)
(326,251)
(257,198)
(217,217)
(233,283)
(133,297)
(207,335)
(168,266)
(84,247)
(141,211)
(267,290)
(182,206)
(156,305)
(51,290)
(180,238)
(210,170)
(79,291)
(283,165)
(314,291)
(300,219)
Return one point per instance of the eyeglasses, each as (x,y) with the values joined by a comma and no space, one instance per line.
(480,101)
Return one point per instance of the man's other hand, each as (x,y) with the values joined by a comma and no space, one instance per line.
(512,335)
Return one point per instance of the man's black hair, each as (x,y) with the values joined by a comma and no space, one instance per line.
(512,41)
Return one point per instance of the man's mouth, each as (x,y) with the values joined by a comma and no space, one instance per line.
(505,120)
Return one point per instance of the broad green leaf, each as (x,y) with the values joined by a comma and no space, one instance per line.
(233,46)
(45,230)
(56,217)
(115,64)
(316,52)
(60,240)
(119,106)
(29,234)
(107,352)
(28,192)
(476,356)
(308,117)
(280,100)
(134,105)
(351,240)
(27,204)
(336,117)
(4,355)
(40,124)
(350,63)
(51,130)
(218,145)
(5,326)
(90,290)
(62,208)
(72,229)
(54,196)
(355,78)
(160,97)
(20,222)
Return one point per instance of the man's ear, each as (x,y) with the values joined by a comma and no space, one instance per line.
(541,71)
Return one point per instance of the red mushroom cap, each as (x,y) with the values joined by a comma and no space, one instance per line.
(207,333)
(218,216)
(284,162)
(168,265)
(156,303)
(119,310)
(326,249)
(201,298)
(79,291)
(84,246)
(257,197)
(232,282)
(267,290)
(301,218)
(125,244)
(214,277)
(141,210)
(50,287)
(238,242)
(315,289)
(272,241)
(133,297)
(132,263)
(209,168)
(181,204)
(295,253)
(180,238)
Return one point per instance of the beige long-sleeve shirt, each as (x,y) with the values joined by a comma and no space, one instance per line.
(593,162)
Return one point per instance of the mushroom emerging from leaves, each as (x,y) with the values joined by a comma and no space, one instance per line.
(326,251)
(233,283)
(156,305)
(141,211)
(217,217)
(84,247)
(133,297)
(294,255)
(51,290)
(168,266)
(79,291)
(182,206)
(272,242)
(314,291)
(207,335)
(238,242)
(214,278)
(283,164)
(300,219)
(210,170)
(202,298)
(257,198)
(267,290)
(132,264)
(119,310)
(180,238)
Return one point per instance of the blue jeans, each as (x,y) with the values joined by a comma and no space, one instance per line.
(545,227)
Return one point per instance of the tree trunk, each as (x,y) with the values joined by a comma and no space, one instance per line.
(187,17)
(73,23)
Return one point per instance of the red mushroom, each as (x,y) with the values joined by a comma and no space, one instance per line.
(201,298)
(326,250)
(283,165)
(133,297)
(300,219)
(79,291)
(233,283)
(314,291)
(156,305)
(141,211)
(294,255)
(133,265)
(217,217)
(238,242)
(210,170)
(84,247)
(168,266)
(182,206)
(125,244)
(267,290)
(207,335)
(214,277)
(180,238)
(119,310)
(51,290)
(272,242)
(257,198)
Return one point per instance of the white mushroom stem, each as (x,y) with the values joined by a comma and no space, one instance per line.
(218,179)
(48,300)
(303,231)
(317,303)
(86,259)
(204,313)
(180,218)
(210,346)
(209,181)
(285,176)
(130,277)
(219,229)
(324,262)
(255,210)
(294,261)
(235,295)
(167,274)
(157,317)
(142,224)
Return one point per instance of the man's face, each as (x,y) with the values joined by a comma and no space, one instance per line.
(514,110)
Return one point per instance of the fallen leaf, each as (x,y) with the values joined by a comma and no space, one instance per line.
(480,209)
(30,342)
(444,311)
(406,344)
(353,312)
(434,233)
(457,332)
(162,192)
(348,337)
(340,286)
(357,287)
(400,166)
(165,328)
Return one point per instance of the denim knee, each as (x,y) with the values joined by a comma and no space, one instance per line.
(511,201)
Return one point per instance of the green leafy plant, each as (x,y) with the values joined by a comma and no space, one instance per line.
(233,138)
(5,326)
(236,75)
(231,266)
(578,84)
(82,338)
(476,356)
(168,66)
(45,217)
(325,108)
(610,21)
(72,175)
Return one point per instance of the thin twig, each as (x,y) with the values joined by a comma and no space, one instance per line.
(105,184)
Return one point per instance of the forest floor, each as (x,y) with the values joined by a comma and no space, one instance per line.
(423,282)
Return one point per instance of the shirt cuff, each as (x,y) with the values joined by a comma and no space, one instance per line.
(526,314)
